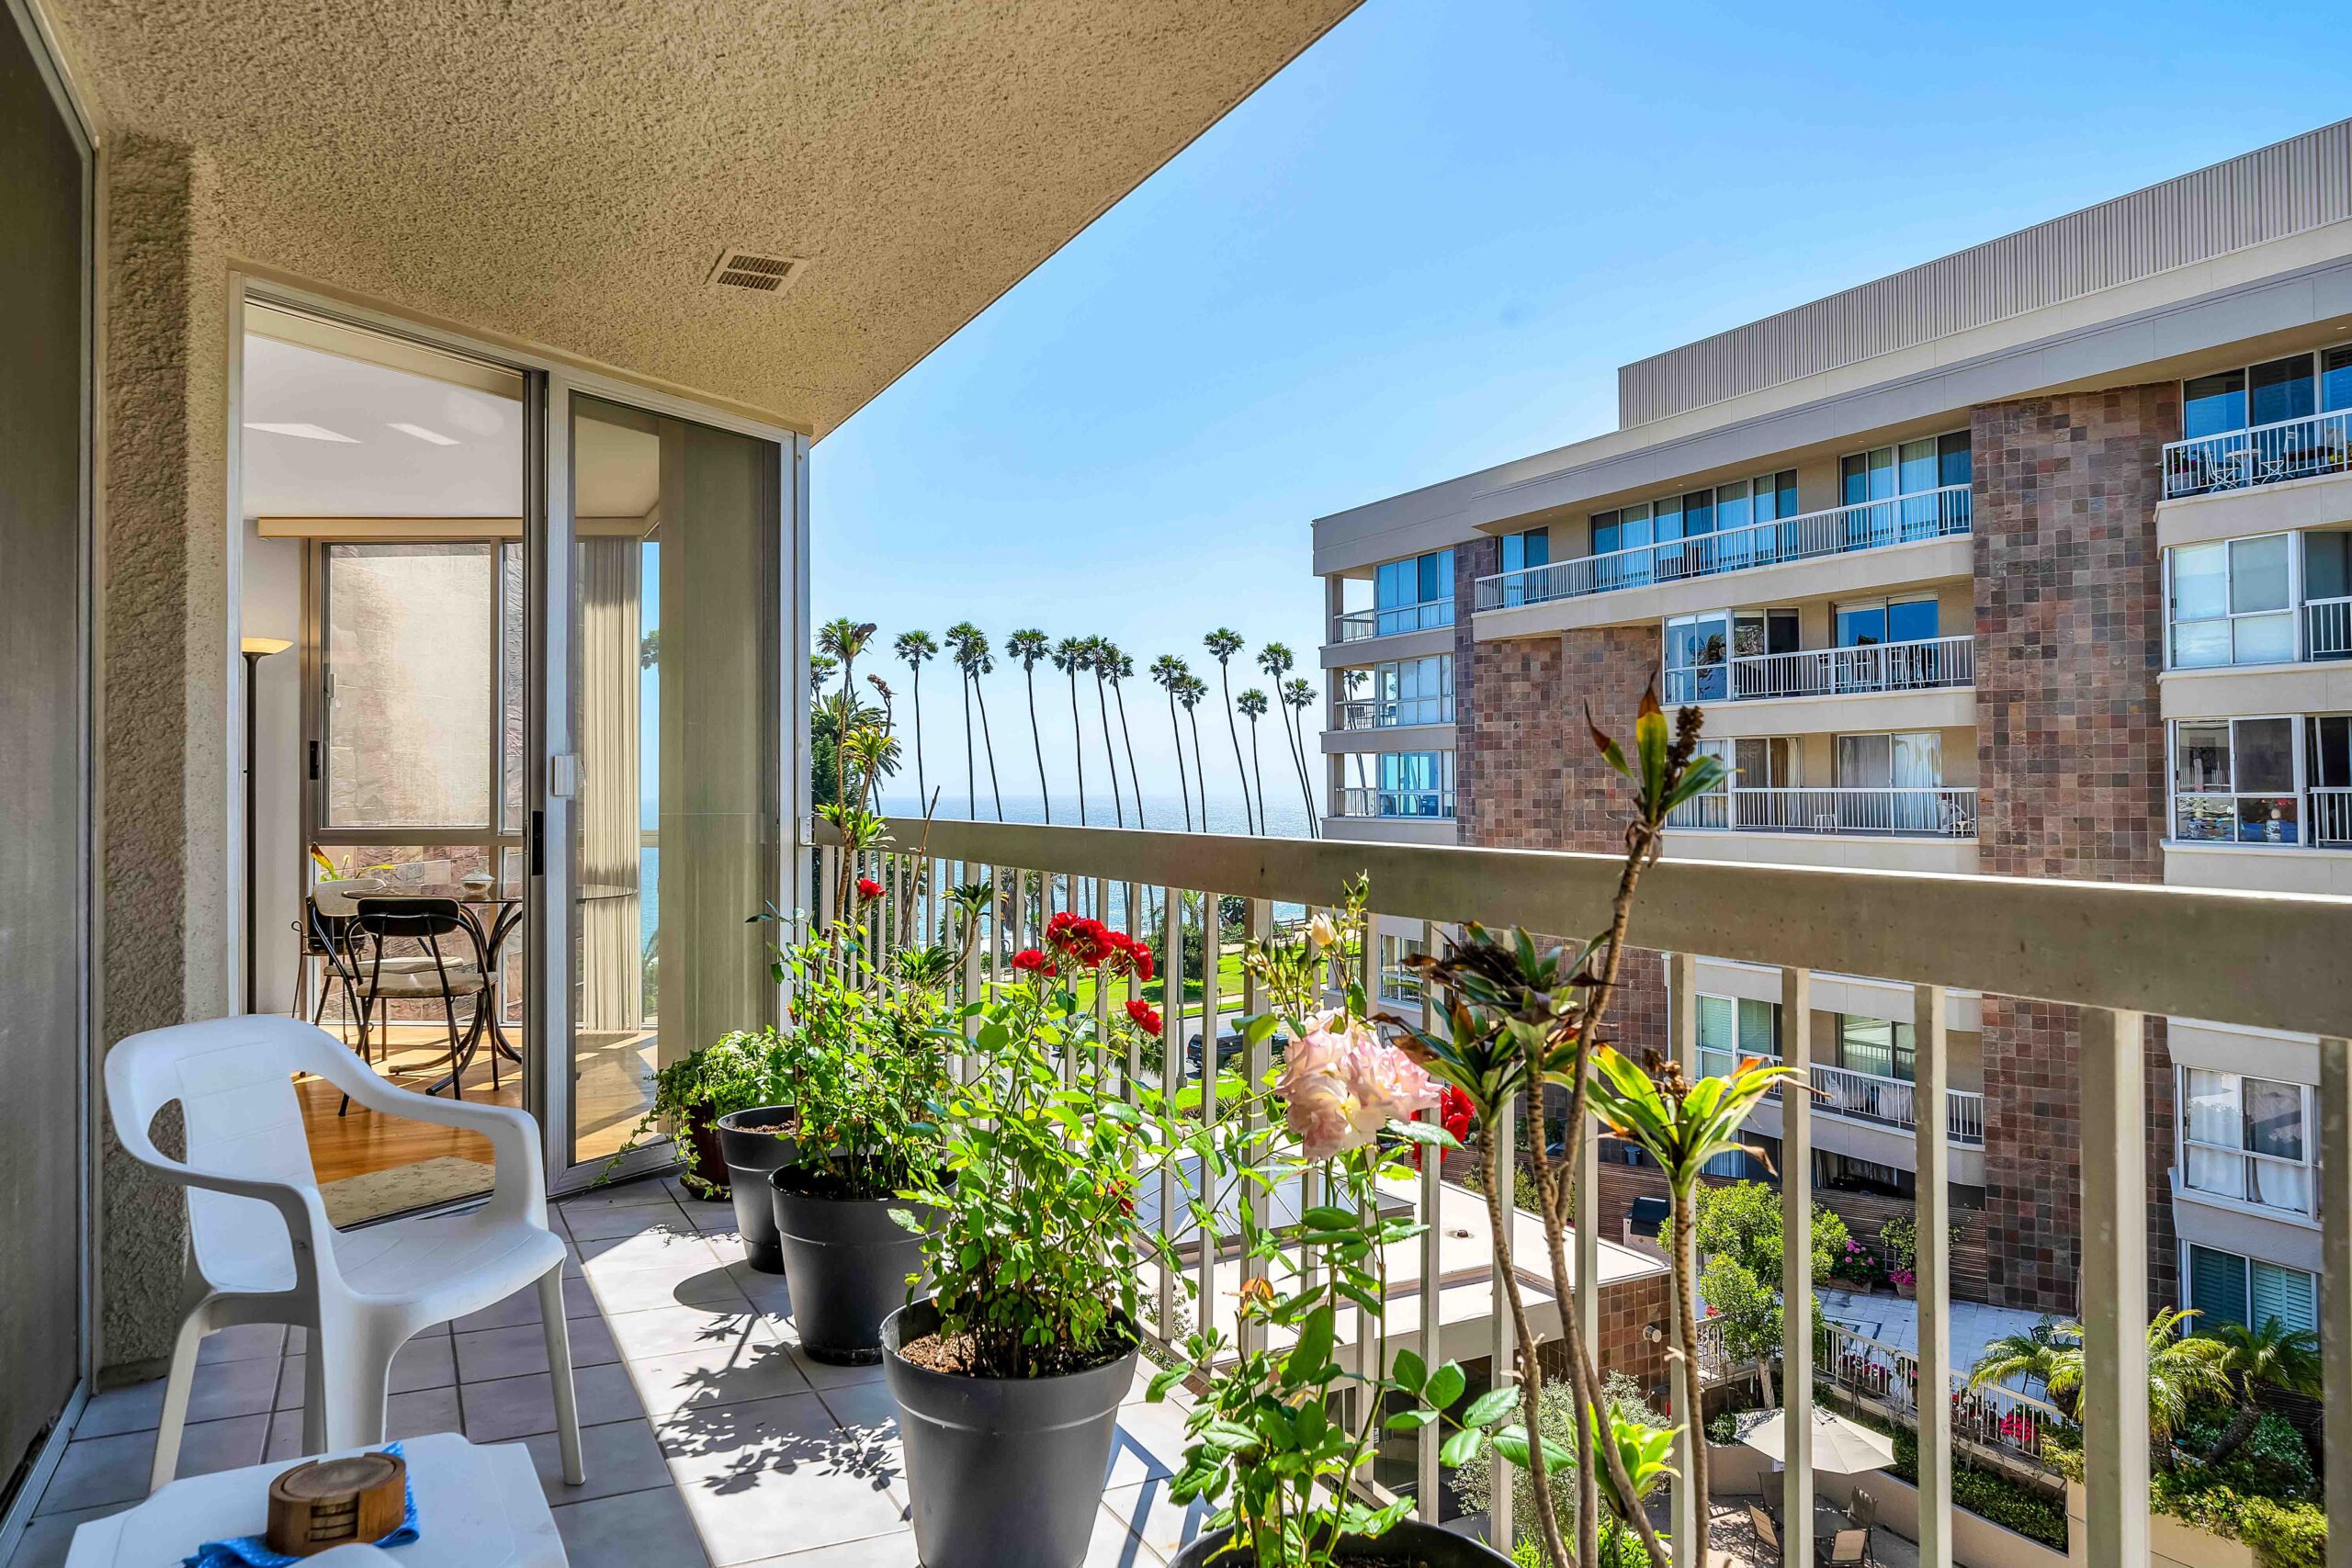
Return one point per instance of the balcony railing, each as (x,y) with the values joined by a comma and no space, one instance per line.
(2004,1421)
(2117,953)
(1865,525)
(1358,626)
(1433,804)
(1922,813)
(2328,629)
(1390,713)
(1868,1097)
(1927,664)
(2267,453)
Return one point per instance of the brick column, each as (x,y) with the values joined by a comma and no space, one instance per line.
(2070,763)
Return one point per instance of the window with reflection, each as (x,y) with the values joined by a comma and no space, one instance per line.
(2230,602)
(2235,781)
(2243,1138)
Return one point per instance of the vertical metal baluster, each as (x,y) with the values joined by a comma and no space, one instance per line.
(1503,1367)
(829,861)
(1690,1545)
(1254,1060)
(1584,1150)
(965,1068)
(2114,1404)
(1139,925)
(1171,1058)
(1211,938)
(2333,1207)
(1931,1271)
(1427,1504)
(1310,1181)
(1796,1264)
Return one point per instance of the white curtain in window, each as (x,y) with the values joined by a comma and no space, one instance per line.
(2214,1116)
(612,958)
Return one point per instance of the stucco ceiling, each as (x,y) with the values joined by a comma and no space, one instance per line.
(567,173)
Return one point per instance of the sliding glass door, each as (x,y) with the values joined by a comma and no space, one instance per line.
(675,642)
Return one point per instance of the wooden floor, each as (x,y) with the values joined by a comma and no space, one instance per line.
(610,1093)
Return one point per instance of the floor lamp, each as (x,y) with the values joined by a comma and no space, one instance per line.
(255,649)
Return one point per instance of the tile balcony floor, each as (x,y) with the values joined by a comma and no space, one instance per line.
(709,1438)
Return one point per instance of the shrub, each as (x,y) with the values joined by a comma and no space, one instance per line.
(1743,1218)
(2031,1512)
(2283,1534)
(2273,1462)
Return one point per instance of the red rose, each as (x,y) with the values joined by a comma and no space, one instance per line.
(1030,960)
(1147,1017)
(1143,962)
(868,888)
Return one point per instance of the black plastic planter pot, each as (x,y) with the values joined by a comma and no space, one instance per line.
(1004,1472)
(750,1156)
(1422,1546)
(847,1262)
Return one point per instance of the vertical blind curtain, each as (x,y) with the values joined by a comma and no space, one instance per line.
(611,968)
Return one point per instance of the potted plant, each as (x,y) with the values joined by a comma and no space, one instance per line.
(1900,1239)
(737,1073)
(868,1060)
(1282,1430)
(1008,1378)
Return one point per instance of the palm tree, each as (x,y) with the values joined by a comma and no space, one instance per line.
(1028,646)
(1070,656)
(1102,655)
(2182,1369)
(971,654)
(1168,673)
(2273,1354)
(1189,690)
(1277,661)
(1122,668)
(1222,644)
(1252,703)
(1298,696)
(918,648)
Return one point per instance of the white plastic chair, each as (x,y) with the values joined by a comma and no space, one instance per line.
(262,1250)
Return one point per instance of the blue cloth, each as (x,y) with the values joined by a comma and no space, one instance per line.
(252,1552)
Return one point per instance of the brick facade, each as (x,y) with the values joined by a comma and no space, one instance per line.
(2071,769)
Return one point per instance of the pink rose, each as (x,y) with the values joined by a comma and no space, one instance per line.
(1389,1085)
(1341,1085)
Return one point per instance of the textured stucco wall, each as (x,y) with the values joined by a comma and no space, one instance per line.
(165,906)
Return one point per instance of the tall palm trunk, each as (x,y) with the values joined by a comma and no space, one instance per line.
(1077,744)
(923,789)
(1259,774)
(1233,731)
(1200,768)
(1135,778)
(1037,743)
(1292,727)
(988,742)
(1103,712)
(1183,785)
(972,778)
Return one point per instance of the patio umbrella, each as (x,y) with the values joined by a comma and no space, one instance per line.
(1839,1446)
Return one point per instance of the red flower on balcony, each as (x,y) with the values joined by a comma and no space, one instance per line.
(868,888)
(1029,961)
(1141,954)
(1147,1017)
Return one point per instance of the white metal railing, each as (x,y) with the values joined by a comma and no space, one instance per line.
(2005,1420)
(1865,525)
(1865,1097)
(2267,453)
(1926,664)
(2117,953)
(2328,629)
(1357,625)
(1434,804)
(1918,813)
(1356,713)
(2331,817)
(1965,1123)
(1390,713)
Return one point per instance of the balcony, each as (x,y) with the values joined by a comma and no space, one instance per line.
(1409,805)
(1865,525)
(1926,665)
(1868,1097)
(1920,813)
(1363,625)
(2266,455)
(1355,713)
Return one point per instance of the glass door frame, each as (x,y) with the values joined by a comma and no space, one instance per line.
(549,749)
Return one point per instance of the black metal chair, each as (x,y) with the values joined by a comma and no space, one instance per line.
(429,923)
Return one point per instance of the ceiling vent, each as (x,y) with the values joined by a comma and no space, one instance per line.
(763,275)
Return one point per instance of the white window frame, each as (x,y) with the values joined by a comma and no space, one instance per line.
(2306,1112)
(1389,713)
(2292,609)
(2296,792)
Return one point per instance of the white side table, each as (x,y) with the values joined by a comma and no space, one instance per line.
(476,1507)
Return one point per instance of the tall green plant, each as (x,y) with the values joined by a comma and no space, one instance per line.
(2183,1369)
(1252,703)
(1027,646)
(1222,644)
(917,649)
(1297,697)
(1071,655)
(1168,673)
(1118,668)
(1189,693)
(1102,657)
(970,645)
(2272,1355)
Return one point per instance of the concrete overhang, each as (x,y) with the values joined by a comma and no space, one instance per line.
(567,178)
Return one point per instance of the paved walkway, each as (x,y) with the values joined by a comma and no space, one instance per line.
(1892,1321)
(709,1438)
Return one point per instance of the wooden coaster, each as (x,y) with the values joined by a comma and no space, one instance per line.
(329,1503)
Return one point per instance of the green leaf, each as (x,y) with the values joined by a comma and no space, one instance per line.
(1328,1217)
(1445,1386)
(1462,1448)
(1410,1371)
(1409,1420)
(1314,1349)
(1492,1406)
(1161,1382)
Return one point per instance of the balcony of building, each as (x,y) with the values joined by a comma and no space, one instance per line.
(2263,800)
(1902,799)
(1900,662)
(1399,609)
(1394,704)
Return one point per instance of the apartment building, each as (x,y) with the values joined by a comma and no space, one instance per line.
(2031,560)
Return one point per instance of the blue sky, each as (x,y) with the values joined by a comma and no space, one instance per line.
(1427,245)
